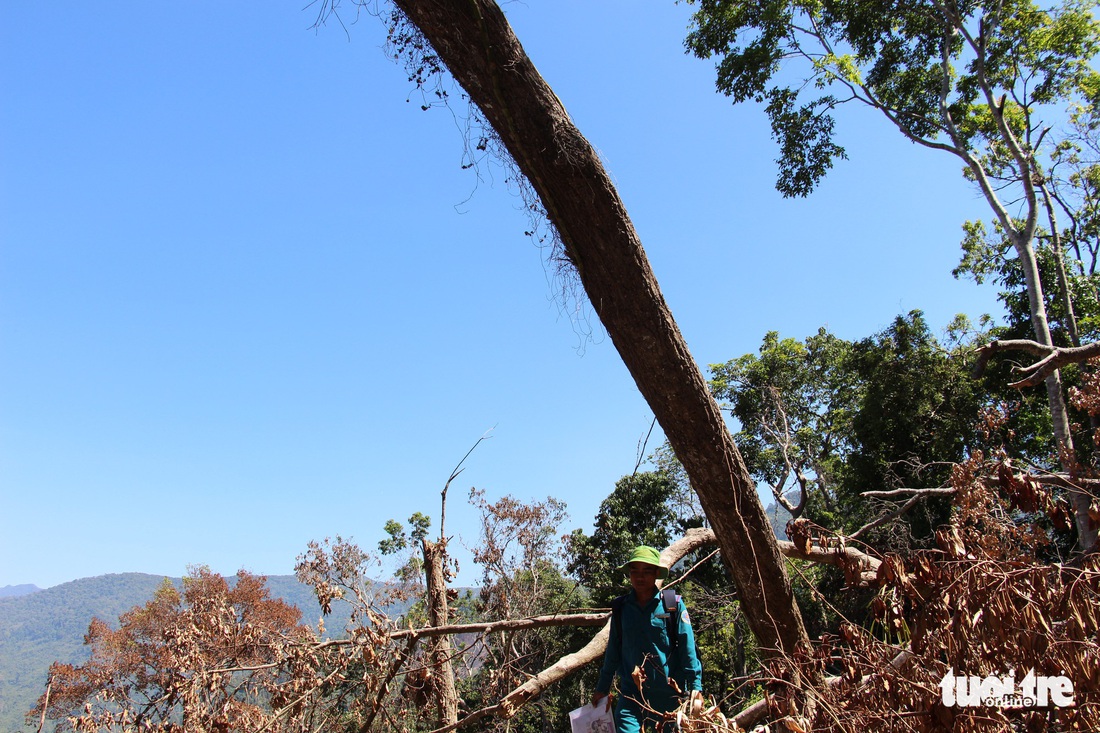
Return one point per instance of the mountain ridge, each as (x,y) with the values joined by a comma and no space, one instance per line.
(14,591)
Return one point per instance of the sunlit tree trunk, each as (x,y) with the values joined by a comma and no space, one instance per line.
(479,48)
(443,676)
(1079,500)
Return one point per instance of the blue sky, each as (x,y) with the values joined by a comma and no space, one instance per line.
(249,298)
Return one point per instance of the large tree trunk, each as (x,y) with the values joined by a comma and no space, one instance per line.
(443,676)
(479,48)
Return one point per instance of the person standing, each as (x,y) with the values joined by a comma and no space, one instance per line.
(642,638)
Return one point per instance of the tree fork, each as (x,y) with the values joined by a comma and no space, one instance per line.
(474,40)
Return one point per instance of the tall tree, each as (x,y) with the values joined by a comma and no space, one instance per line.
(917,415)
(983,81)
(636,513)
(795,403)
(834,418)
(473,40)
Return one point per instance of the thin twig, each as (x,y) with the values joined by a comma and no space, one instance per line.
(454,474)
(641,448)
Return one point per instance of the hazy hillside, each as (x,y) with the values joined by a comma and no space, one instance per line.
(38,628)
(10,591)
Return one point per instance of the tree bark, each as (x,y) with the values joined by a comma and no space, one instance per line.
(479,48)
(443,676)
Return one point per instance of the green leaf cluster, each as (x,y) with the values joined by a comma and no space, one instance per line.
(936,70)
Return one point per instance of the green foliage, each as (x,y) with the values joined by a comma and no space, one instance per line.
(682,500)
(727,649)
(988,258)
(840,417)
(398,539)
(918,412)
(794,403)
(1075,184)
(939,72)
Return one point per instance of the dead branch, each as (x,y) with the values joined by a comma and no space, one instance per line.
(692,569)
(1053,358)
(1061,480)
(782,436)
(384,687)
(692,540)
(1088,486)
(46,703)
(560,669)
(533,622)
(917,495)
(756,712)
(454,474)
(473,717)
(894,493)
(848,559)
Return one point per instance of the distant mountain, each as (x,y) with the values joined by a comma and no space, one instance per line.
(11,591)
(779,516)
(47,626)
(39,627)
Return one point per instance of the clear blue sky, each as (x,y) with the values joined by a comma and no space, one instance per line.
(248,297)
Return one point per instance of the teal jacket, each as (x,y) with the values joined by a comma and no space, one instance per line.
(639,638)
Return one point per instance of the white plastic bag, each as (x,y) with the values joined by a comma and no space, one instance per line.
(592,719)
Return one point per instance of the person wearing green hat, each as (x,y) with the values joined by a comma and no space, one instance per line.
(657,641)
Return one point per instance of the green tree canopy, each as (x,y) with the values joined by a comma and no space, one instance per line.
(965,77)
(836,418)
(988,82)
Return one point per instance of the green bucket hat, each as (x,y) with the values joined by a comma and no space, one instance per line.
(648,555)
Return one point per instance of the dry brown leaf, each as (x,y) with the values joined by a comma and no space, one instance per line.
(638,676)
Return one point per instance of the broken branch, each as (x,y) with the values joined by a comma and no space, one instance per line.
(1053,358)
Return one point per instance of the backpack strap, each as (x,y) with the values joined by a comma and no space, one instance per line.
(671,601)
